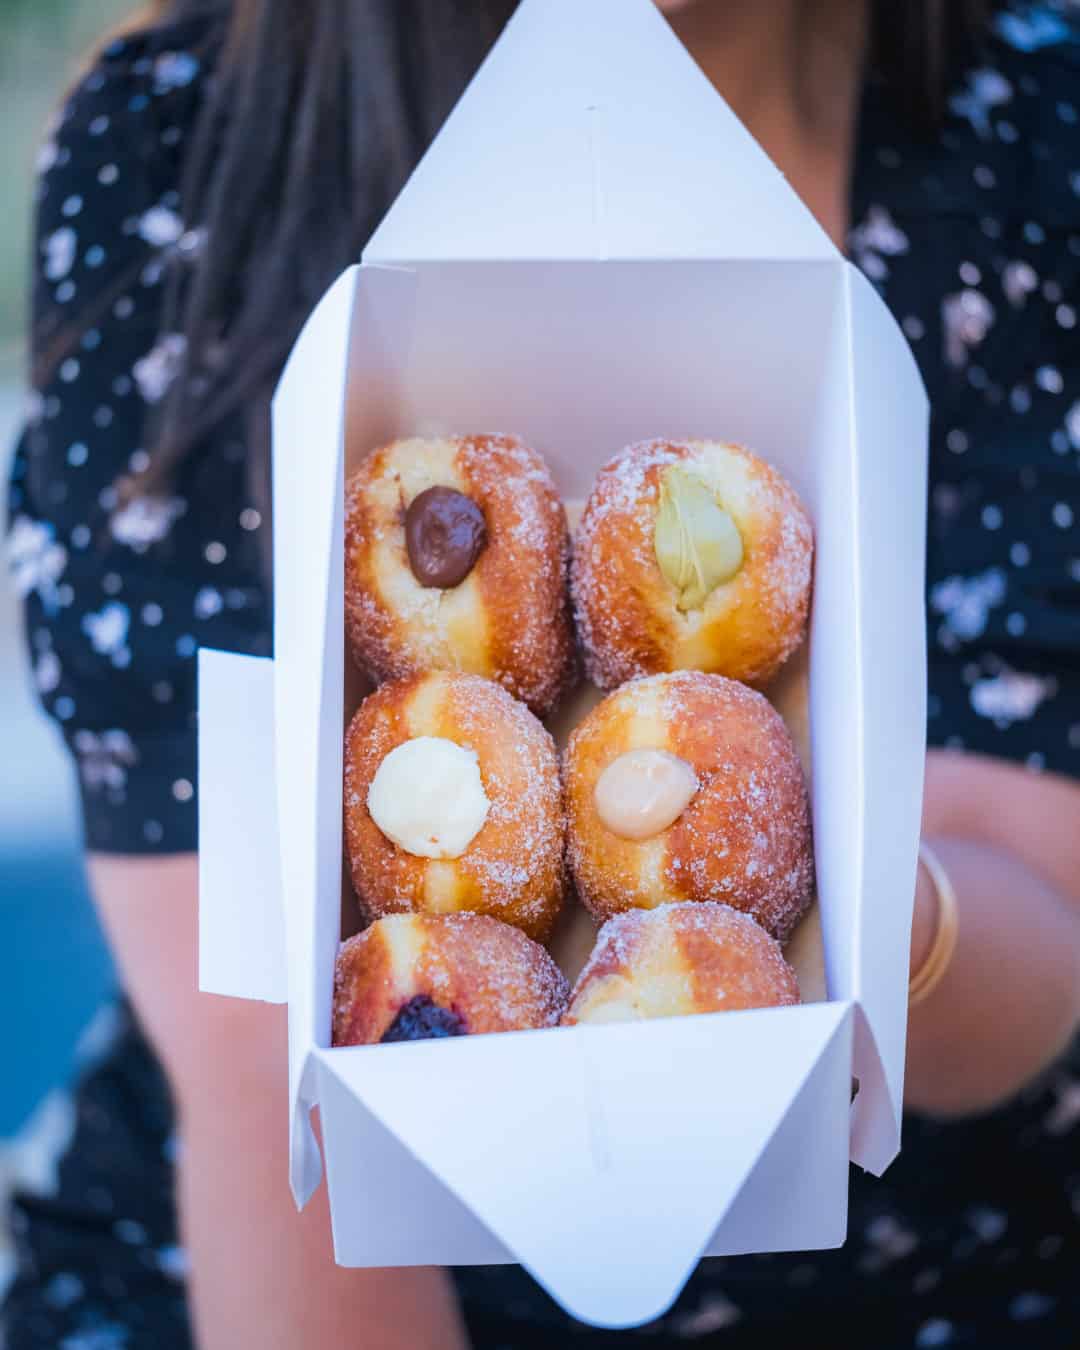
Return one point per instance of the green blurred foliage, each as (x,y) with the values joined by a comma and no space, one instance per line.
(41,45)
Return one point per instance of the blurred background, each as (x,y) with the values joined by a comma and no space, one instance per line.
(54,972)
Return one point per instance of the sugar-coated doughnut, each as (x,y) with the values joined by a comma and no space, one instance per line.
(680,959)
(412,977)
(456,556)
(691,555)
(729,818)
(453,802)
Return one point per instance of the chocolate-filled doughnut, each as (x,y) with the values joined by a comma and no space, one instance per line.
(456,557)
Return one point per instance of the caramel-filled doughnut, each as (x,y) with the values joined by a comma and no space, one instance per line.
(680,959)
(453,802)
(456,554)
(691,555)
(414,977)
(688,787)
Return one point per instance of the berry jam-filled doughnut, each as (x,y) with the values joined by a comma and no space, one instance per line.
(414,977)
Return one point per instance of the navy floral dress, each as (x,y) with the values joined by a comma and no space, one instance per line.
(973,1237)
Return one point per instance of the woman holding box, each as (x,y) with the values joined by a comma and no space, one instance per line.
(212,172)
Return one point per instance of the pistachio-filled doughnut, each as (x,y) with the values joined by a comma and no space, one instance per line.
(456,555)
(688,787)
(415,977)
(680,959)
(692,555)
(453,802)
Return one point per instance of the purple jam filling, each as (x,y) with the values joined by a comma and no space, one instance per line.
(422,1020)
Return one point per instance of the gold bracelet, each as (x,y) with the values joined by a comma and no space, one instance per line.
(930,974)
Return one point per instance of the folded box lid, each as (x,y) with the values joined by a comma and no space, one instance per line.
(590,132)
(601,1157)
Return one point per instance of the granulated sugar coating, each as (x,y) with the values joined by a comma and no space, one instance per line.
(411,977)
(509,618)
(627,614)
(743,840)
(681,959)
(514,867)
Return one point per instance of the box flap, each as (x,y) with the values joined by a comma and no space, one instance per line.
(591,133)
(891,412)
(308,473)
(409,1217)
(795,1199)
(632,1119)
(241,920)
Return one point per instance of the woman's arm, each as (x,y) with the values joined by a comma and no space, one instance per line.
(261,1275)
(1010,1000)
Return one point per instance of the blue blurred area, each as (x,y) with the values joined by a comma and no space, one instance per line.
(54,969)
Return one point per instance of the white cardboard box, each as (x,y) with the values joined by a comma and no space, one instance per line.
(593,252)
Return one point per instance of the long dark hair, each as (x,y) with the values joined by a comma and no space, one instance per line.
(318,111)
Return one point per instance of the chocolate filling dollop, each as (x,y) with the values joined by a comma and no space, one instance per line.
(445,533)
(422,1020)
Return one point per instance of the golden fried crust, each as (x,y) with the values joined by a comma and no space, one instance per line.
(677,960)
(744,839)
(626,611)
(514,868)
(489,975)
(509,620)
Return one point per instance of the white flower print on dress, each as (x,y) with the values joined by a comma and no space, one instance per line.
(1035,27)
(59,249)
(1072,425)
(174,70)
(1011,696)
(877,235)
(965,603)
(160,226)
(173,1262)
(107,629)
(47,672)
(36,560)
(46,156)
(98,1336)
(208,602)
(967,318)
(155,372)
(713,1313)
(144,521)
(105,757)
(1018,281)
(1065,1115)
(887,1240)
(986,89)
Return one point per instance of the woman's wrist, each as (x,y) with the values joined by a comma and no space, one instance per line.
(925,918)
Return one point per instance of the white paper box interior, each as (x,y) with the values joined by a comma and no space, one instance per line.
(593,252)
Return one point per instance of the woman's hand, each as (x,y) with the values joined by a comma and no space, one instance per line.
(1009,1002)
